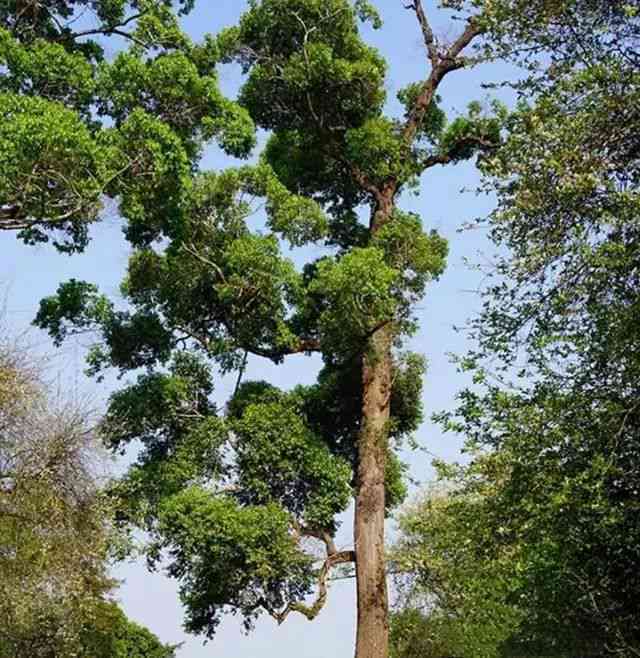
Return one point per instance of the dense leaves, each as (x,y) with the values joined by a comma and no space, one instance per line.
(476,581)
(557,360)
(81,130)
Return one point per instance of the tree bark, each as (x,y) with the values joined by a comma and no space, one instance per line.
(372,634)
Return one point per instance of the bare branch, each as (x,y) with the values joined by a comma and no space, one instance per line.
(444,63)
(427,31)
(333,559)
(445,158)
(313,610)
(108,30)
(11,220)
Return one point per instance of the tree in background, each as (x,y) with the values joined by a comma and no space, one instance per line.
(557,368)
(454,580)
(232,496)
(82,131)
(111,635)
(54,532)
(469,587)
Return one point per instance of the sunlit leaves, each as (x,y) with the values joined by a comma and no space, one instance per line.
(227,555)
(129,129)
(49,167)
(280,459)
(358,294)
(420,257)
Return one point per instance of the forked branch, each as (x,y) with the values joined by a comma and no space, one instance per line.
(312,611)
(441,64)
(333,559)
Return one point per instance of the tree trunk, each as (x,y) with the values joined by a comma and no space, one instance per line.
(372,636)
(372,632)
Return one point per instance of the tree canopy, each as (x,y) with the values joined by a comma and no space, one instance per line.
(82,131)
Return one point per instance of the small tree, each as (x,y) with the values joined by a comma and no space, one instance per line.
(55,530)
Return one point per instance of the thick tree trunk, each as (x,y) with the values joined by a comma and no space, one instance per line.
(372,632)
(372,635)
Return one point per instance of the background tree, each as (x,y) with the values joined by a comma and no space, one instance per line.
(230,496)
(557,359)
(109,634)
(81,132)
(472,582)
(54,531)
(454,580)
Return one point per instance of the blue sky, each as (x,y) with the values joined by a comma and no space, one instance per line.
(29,273)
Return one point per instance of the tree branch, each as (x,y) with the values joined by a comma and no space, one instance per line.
(446,158)
(313,610)
(108,30)
(334,558)
(302,346)
(11,220)
(427,31)
(441,65)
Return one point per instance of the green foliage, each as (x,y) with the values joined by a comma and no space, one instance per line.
(296,218)
(457,580)
(434,120)
(465,136)
(112,635)
(175,92)
(279,458)
(412,636)
(227,555)
(160,406)
(56,533)
(556,409)
(406,395)
(375,147)
(310,45)
(79,128)
(229,499)
(298,160)
(584,32)
(73,298)
(153,186)
(46,70)
(244,509)
(420,257)
(50,167)
(357,292)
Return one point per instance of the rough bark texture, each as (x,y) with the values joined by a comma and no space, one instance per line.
(372,636)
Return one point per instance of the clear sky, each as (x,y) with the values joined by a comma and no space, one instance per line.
(29,273)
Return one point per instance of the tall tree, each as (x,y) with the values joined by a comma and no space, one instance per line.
(231,498)
(559,331)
